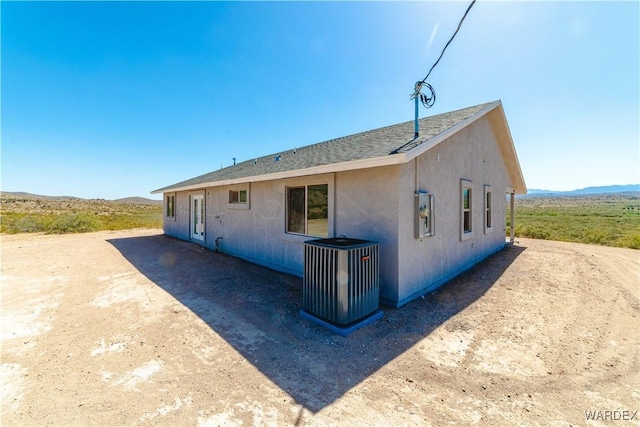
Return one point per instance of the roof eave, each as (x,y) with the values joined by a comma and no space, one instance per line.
(497,119)
(393,159)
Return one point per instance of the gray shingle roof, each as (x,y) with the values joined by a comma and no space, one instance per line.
(386,141)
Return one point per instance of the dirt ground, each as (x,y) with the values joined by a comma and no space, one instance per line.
(135,328)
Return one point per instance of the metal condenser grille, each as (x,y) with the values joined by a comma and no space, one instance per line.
(341,283)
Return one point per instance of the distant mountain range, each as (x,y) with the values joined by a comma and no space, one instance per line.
(126,200)
(531,192)
(587,190)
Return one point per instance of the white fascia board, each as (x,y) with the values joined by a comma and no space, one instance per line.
(522,188)
(393,159)
(427,145)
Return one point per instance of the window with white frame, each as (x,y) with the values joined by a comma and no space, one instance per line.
(170,206)
(308,210)
(237,196)
(487,209)
(466,202)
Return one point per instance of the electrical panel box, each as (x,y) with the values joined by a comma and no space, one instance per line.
(424,215)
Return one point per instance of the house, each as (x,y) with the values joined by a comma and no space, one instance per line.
(435,204)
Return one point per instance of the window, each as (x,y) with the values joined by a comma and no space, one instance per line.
(308,210)
(466,210)
(467,203)
(237,196)
(170,206)
(487,208)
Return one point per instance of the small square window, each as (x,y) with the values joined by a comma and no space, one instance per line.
(239,199)
(237,196)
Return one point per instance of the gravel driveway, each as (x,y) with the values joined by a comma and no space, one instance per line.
(135,328)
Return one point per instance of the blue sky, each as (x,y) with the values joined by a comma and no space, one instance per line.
(108,100)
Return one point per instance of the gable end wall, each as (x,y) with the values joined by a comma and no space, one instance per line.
(471,154)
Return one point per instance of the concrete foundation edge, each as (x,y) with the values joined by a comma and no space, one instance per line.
(435,285)
(343,330)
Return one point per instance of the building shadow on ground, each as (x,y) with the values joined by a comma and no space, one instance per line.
(256,310)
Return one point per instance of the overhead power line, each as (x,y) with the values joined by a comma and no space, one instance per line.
(450,40)
(426,100)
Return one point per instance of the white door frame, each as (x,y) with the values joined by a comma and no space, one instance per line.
(197,215)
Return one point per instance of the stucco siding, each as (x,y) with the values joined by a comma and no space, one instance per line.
(473,155)
(362,204)
(256,232)
(376,204)
(367,208)
(178,226)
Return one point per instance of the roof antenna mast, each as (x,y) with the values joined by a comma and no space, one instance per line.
(427,101)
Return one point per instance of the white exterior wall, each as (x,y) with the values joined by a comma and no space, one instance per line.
(367,208)
(471,154)
(178,226)
(363,204)
(257,232)
(373,204)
